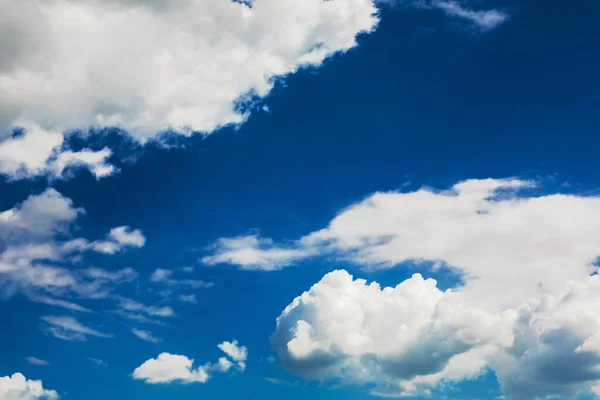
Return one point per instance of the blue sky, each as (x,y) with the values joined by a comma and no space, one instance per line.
(456,140)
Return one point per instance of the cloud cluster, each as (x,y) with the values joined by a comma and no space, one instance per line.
(515,249)
(37,250)
(167,368)
(17,387)
(38,152)
(60,63)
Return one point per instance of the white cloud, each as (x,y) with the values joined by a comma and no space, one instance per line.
(145,335)
(68,328)
(515,250)
(130,305)
(392,337)
(253,253)
(188,298)
(170,368)
(36,361)
(237,353)
(17,387)
(98,362)
(118,239)
(484,19)
(38,152)
(58,65)
(161,275)
(167,368)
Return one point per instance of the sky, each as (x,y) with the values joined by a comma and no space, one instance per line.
(308,199)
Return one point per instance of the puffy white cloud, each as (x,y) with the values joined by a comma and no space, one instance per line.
(17,387)
(515,248)
(145,335)
(395,338)
(37,152)
(68,328)
(118,239)
(167,368)
(36,361)
(254,253)
(484,19)
(237,353)
(58,65)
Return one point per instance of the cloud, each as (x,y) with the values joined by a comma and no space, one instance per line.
(145,335)
(237,353)
(253,253)
(98,362)
(182,72)
(17,387)
(167,368)
(515,249)
(118,239)
(36,361)
(37,247)
(486,20)
(68,328)
(188,298)
(391,338)
(130,305)
(164,276)
(37,152)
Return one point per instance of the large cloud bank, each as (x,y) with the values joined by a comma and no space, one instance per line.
(149,66)
(528,308)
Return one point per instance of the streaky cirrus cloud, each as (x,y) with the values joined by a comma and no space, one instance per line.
(17,387)
(484,19)
(69,328)
(167,367)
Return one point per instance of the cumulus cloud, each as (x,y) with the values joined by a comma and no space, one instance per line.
(17,387)
(145,335)
(392,337)
(485,19)
(252,252)
(68,328)
(182,72)
(37,152)
(514,247)
(167,368)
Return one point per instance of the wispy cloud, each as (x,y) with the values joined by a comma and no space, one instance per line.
(485,19)
(36,361)
(68,328)
(145,335)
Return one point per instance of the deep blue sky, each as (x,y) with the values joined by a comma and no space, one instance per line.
(421,101)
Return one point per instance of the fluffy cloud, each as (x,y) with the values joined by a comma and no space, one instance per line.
(58,65)
(515,249)
(68,328)
(393,337)
(16,387)
(167,368)
(37,152)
